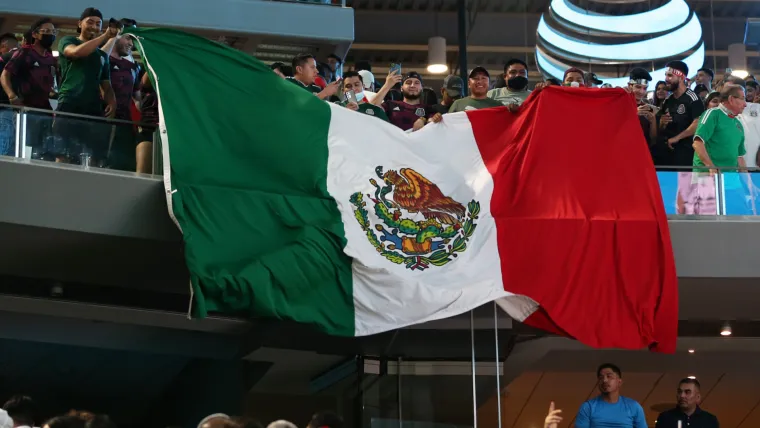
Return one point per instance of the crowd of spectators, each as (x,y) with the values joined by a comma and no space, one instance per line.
(95,75)
(608,409)
(22,411)
(92,75)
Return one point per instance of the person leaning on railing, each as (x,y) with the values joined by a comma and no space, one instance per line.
(84,75)
(29,76)
(147,129)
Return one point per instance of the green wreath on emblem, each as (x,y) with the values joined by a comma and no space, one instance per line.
(436,241)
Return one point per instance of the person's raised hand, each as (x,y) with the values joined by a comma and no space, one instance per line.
(553,418)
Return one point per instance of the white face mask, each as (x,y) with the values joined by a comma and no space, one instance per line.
(359,96)
(575,85)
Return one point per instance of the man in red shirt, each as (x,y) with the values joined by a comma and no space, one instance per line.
(29,78)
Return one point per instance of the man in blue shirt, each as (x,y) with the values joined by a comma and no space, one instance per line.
(610,409)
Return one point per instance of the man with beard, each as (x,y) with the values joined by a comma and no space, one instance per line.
(451,91)
(84,74)
(516,91)
(28,79)
(478,82)
(638,84)
(409,113)
(679,115)
(688,411)
(610,409)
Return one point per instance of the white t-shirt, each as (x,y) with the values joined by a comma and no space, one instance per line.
(750,118)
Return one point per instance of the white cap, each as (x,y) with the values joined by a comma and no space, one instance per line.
(5,420)
(367,78)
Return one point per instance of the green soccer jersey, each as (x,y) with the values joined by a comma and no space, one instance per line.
(370,110)
(81,77)
(469,103)
(314,89)
(507,96)
(723,136)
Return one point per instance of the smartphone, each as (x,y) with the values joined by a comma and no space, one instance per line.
(351,97)
(396,67)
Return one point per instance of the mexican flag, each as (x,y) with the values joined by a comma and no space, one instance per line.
(295,208)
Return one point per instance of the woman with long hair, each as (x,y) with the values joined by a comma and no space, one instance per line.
(660,93)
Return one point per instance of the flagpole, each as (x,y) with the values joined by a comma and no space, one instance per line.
(498,363)
(474,394)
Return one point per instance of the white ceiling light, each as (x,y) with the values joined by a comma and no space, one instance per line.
(437,55)
(667,45)
(737,60)
(691,377)
(557,69)
(726,330)
(691,351)
(659,20)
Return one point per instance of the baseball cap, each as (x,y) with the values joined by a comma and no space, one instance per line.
(367,78)
(477,70)
(591,77)
(453,85)
(412,75)
(90,11)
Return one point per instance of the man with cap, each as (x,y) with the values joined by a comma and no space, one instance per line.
(409,114)
(368,80)
(478,82)
(85,73)
(592,81)
(451,91)
(638,84)
(516,91)
(574,77)
(705,77)
(679,115)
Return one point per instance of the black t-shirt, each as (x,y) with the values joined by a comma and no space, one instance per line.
(440,108)
(698,419)
(684,110)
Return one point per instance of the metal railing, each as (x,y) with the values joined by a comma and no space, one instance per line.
(88,141)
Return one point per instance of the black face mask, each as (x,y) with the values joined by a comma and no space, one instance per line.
(517,83)
(47,40)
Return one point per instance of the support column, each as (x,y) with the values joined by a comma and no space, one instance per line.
(462,31)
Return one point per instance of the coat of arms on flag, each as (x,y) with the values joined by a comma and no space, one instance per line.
(435,229)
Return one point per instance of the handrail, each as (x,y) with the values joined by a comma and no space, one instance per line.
(75,115)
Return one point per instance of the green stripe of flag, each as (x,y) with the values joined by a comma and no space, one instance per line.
(248,164)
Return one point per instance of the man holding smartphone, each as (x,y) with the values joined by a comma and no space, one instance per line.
(353,89)
(409,114)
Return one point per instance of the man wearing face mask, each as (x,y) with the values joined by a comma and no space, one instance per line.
(516,91)
(29,77)
(352,81)
(574,78)
(478,83)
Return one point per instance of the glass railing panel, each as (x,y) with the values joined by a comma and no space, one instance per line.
(325,2)
(8,130)
(90,142)
(701,191)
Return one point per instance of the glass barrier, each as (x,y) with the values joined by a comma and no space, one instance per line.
(90,142)
(701,191)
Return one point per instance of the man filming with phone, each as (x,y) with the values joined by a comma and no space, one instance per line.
(409,113)
(353,89)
